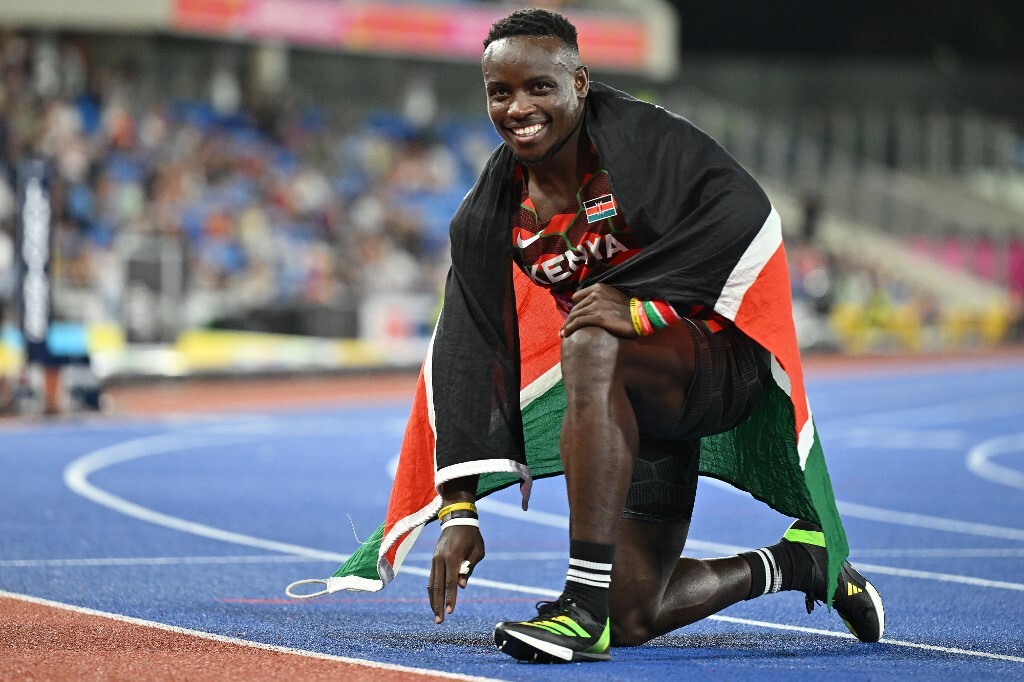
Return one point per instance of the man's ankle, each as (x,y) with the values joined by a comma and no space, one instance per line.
(589,576)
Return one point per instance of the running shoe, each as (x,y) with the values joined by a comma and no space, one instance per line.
(562,632)
(856,600)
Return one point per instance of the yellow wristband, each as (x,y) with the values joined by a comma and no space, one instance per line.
(634,314)
(457,506)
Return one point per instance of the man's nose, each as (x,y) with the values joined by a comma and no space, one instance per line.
(520,106)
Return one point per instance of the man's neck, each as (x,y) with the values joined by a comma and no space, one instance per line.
(563,173)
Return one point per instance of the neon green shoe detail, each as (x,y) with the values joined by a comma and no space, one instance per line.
(602,645)
(808,537)
(562,632)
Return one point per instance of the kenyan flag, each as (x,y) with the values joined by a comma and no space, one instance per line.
(775,454)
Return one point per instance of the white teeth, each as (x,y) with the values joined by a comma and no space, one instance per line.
(528,130)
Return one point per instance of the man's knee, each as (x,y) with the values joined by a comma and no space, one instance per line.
(588,355)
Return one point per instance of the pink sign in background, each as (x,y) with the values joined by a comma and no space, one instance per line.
(619,43)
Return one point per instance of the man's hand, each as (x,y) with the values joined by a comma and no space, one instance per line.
(600,305)
(457,546)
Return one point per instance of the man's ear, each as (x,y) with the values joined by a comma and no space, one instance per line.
(581,81)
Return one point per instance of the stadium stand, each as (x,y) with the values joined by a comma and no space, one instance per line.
(234,206)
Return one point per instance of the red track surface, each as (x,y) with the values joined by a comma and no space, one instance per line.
(43,642)
(255,394)
(39,641)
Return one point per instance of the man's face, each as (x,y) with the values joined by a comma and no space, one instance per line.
(535,94)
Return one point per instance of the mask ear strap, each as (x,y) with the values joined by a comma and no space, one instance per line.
(314,581)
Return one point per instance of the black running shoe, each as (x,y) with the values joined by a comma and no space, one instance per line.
(856,600)
(562,632)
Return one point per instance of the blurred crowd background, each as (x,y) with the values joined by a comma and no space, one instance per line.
(283,185)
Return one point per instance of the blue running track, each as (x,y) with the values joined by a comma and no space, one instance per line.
(200,522)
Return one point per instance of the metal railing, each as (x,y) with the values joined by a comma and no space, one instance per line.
(898,202)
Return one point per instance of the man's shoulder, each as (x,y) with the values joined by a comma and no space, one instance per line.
(610,108)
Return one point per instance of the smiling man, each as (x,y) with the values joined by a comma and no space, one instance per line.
(678,357)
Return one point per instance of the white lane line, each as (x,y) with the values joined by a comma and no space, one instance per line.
(938,414)
(941,577)
(156,561)
(559,521)
(554,594)
(238,642)
(697,545)
(948,553)
(901,439)
(77,472)
(898,518)
(979,460)
(502,556)
(863,511)
(245,559)
(896,642)
(514,511)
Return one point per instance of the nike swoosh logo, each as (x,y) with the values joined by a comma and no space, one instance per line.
(523,244)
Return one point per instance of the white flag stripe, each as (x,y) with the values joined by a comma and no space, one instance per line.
(753,260)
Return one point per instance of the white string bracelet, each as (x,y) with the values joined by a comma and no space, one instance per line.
(461,522)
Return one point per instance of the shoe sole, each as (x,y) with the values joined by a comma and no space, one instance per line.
(532,650)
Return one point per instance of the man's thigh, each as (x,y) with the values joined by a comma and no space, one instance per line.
(658,370)
(687,382)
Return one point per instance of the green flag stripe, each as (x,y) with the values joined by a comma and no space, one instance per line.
(363,563)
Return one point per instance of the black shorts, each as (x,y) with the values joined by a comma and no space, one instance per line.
(726,386)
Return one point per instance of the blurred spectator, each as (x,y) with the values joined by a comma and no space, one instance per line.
(302,217)
(223,216)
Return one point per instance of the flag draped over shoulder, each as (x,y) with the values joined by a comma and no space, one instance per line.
(490,399)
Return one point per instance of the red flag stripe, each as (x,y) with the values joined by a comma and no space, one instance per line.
(757,298)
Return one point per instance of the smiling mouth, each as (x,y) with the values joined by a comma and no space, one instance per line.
(526,132)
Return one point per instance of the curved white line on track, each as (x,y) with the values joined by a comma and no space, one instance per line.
(76,476)
(979,460)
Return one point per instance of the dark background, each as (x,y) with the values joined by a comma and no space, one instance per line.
(969,30)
